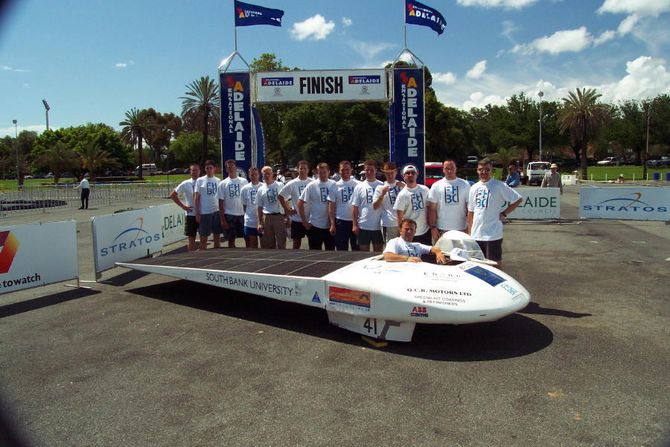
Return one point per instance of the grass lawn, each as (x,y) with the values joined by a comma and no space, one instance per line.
(10,185)
(601,173)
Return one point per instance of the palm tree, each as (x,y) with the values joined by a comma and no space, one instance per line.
(504,156)
(136,126)
(583,116)
(202,99)
(93,158)
(59,159)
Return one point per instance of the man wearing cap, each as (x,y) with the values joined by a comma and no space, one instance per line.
(403,249)
(367,219)
(385,197)
(552,179)
(487,208)
(344,235)
(448,202)
(291,191)
(412,203)
(317,210)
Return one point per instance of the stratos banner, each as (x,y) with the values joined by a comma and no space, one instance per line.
(538,203)
(35,255)
(626,203)
(331,85)
(126,236)
(173,221)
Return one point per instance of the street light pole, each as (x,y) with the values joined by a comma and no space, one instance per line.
(46,108)
(646,150)
(540,94)
(16,149)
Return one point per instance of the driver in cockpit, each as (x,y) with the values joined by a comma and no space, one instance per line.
(402,249)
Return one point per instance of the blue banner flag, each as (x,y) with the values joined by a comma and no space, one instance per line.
(236,118)
(419,14)
(248,15)
(407,119)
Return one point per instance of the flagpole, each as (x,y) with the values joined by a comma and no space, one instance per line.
(235,25)
(405,21)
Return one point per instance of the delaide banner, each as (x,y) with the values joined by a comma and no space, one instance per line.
(626,203)
(538,203)
(236,118)
(126,236)
(34,255)
(407,123)
(173,221)
(331,85)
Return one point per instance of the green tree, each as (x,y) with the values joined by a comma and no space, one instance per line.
(136,125)
(59,159)
(202,100)
(187,148)
(504,156)
(583,117)
(163,128)
(94,159)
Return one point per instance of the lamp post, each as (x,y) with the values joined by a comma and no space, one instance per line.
(540,94)
(46,108)
(16,149)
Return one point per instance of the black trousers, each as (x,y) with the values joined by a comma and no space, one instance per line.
(84,197)
(316,237)
(344,236)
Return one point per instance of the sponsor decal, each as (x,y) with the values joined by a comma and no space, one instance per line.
(250,284)
(315,298)
(277,82)
(516,294)
(442,292)
(9,245)
(442,276)
(627,204)
(365,79)
(485,275)
(419,311)
(341,295)
(173,221)
(132,237)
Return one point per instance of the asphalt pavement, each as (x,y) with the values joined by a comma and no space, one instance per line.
(141,360)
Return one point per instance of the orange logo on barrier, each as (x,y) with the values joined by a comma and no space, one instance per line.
(9,245)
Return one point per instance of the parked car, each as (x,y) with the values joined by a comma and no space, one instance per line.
(608,161)
(147,169)
(433,172)
(660,162)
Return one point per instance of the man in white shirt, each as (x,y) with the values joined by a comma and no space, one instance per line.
(270,218)
(412,203)
(291,191)
(316,213)
(385,197)
(249,195)
(448,202)
(487,208)
(344,236)
(207,206)
(231,210)
(402,249)
(187,189)
(367,218)
(85,187)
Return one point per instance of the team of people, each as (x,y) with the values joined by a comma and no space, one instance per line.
(347,214)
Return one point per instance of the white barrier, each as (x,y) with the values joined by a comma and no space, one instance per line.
(125,236)
(173,221)
(568,179)
(33,255)
(538,203)
(625,203)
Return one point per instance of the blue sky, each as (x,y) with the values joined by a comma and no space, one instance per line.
(93,60)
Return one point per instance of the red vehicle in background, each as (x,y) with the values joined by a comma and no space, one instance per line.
(433,172)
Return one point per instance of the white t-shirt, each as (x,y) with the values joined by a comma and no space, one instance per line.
(343,196)
(413,202)
(400,246)
(317,195)
(229,191)
(368,218)
(84,184)
(187,189)
(207,187)
(249,196)
(450,197)
(389,216)
(486,201)
(291,191)
(268,198)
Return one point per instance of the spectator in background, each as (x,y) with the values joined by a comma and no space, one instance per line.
(513,178)
(552,179)
(85,187)
(187,189)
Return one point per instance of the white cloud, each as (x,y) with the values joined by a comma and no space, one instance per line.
(646,78)
(346,22)
(639,7)
(508,29)
(444,78)
(9,131)
(477,70)
(628,24)
(15,70)
(120,65)
(606,36)
(508,4)
(315,28)
(574,40)
(369,50)
(479,99)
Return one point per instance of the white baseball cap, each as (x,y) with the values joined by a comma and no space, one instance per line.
(409,168)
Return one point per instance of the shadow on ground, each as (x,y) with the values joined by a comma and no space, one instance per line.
(513,336)
(44,301)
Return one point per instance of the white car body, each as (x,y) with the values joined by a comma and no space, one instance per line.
(383,300)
